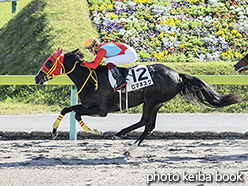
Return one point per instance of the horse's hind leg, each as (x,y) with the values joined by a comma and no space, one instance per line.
(147,109)
(150,125)
(124,131)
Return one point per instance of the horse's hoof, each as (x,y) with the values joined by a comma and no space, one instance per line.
(131,149)
(96,132)
(127,153)
(54,134)
(115,138)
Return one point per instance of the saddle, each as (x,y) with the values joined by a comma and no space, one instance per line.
(137,77)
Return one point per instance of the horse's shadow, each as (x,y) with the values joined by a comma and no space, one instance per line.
(122,160)
(205,159)
(50,162)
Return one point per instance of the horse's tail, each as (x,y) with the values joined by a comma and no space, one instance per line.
(197,90)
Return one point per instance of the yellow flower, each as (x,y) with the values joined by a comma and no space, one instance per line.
(239,35)
(94,7)
(102,8)
(159,55)
(113,16)
(162,22)
(219,32)
(238,55)
(172,22)
(234,31)
(142,1)
(224,54)
(181,45)
(111,6)
(161,34)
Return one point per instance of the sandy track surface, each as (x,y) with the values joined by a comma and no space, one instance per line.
(100,162)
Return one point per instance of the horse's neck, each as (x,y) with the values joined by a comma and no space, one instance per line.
(79,74)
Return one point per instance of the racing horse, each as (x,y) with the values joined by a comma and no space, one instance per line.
(241,65)
(98,98)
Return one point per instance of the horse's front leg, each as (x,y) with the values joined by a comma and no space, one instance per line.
(62,114)
(85,127)
(80,110)
(97,110)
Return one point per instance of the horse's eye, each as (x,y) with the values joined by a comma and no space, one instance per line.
(49,64)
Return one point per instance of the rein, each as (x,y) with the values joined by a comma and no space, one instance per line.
(50,75)
(90,75)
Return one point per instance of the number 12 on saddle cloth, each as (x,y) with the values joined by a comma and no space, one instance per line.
(137,78)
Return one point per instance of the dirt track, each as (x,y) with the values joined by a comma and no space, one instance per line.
(100,162)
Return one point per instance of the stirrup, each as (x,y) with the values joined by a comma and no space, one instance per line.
(119,87)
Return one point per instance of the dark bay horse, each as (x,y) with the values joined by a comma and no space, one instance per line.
(242,65)
(101,100)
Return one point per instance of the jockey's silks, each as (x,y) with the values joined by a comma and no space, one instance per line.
(113,49)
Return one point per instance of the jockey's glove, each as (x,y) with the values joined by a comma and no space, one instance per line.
(83,62)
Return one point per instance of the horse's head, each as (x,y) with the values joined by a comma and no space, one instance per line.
(242,65)
(57,64)
(53,66)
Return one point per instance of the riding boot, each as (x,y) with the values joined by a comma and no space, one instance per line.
(120,81)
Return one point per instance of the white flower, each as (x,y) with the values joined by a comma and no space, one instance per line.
(214,2)
(122,31)
(131,3)
(97,20)
(170,42)
(201,57)
(222,41)
(213,56)
(211,40)
(120,5)
(242,27)
(160,10)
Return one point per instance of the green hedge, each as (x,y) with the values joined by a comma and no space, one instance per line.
(59,96)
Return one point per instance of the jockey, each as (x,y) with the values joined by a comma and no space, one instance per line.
(116,54)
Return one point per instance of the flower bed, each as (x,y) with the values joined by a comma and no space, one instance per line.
(178,30)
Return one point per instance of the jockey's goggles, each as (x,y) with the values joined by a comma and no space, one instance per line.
(91,49)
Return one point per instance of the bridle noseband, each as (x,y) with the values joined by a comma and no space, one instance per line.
(49,74)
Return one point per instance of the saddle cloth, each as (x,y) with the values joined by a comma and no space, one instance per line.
(137,77)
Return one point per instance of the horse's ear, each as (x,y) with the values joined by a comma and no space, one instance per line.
(58,52)
(75,51)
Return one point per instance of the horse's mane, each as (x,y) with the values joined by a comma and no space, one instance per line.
(78,55)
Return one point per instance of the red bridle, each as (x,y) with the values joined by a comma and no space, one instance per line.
(57,58)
